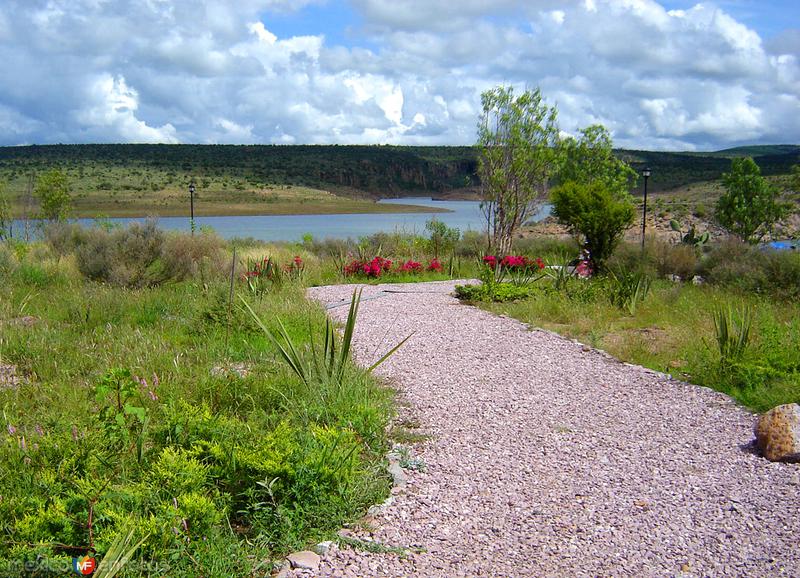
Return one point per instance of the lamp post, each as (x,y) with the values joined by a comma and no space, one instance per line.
(646,175)
(191,204)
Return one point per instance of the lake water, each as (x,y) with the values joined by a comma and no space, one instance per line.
(464,215)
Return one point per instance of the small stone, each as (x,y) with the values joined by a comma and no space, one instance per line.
(25,320)
(9,377)
(399,477)
(236,370)
(323,547)
(778,433)
(305,560)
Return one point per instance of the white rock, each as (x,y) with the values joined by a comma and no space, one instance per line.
(305,560)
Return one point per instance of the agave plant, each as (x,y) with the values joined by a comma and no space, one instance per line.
(628,288)
(328,363)
(733,333)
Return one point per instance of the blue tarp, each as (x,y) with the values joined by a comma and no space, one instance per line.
(784,245)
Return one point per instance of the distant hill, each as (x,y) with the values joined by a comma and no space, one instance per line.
(375,171)
(758,151)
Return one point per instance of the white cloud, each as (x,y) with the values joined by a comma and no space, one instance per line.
(175,70)
(113,105)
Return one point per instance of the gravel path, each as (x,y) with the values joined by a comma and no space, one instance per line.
(547,458)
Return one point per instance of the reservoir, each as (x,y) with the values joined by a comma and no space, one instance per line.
(463,215)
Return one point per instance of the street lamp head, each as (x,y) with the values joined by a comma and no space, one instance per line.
(646,172)
(191,188)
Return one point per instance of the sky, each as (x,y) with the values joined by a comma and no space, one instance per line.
(659,74)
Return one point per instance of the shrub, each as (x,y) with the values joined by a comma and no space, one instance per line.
(472,244)
(184,256)
(500,292)
(443,239)
(374,268)
(141,255)
(733,263)
(630,257)
(680,260)
(63,238)
(94,255)
(782,271)
(546,246)
(595,213)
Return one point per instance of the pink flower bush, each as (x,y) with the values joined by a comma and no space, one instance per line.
(375,268)
(410,266)
(435,266)
(514,263)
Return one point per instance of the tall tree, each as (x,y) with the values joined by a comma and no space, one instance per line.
(749,207)
(590,159)
(593,197)
(518,154)
(52,189)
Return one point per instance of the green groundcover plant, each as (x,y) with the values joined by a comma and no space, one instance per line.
(157,428)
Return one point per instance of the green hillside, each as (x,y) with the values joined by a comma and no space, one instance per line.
(125,179)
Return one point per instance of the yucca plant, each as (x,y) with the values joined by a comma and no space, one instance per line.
(327,364)
(560,271)
(733,333)
(119,554)
(628,288)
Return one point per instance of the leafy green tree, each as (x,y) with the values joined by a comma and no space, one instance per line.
(6,218)
(442,238)
(590,158)
(592,211)
(593,198)
(518,155)
(53,191)
(749,207)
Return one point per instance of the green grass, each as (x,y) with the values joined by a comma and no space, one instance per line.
(673,331)
(219,474)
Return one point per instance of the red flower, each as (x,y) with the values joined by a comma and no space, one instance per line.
(435,266)
(491,261)
(410,267)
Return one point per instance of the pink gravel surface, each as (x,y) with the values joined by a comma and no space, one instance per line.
(548,458)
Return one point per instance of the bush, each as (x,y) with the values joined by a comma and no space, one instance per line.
(546,246)
(142,255)
(184,256)
(630,257)
(63,238)
(680,260)
(472,244)
(782,270)
(735,264)
(595,213)
(500,292)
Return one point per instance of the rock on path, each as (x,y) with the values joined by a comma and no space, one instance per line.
(551,459)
